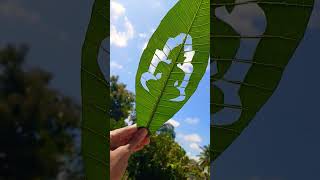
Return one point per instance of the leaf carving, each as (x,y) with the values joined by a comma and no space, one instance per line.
(173,63)
(286,24)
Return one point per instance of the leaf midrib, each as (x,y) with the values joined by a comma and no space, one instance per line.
(166,82)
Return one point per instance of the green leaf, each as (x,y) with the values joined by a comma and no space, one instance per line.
(286,24)
(95,96)
(183,33)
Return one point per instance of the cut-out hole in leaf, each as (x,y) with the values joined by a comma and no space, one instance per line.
(104,58)
(183,37)
(270,26)
(242,19)
(247,19)
(163,56)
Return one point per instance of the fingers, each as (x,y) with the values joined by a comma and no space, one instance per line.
(118,162)
(120,155)
(137,139)
(144,142)
(127,129)
(121,136)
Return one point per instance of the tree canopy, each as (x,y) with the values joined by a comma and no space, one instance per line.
(37,123)
(163,159)
(121,103)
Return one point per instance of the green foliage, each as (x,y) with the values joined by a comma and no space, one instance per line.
(95,96)
(190,20)
(286,24)
(204,158)
(121,103)
(163,159)
(36,122)
(168,129)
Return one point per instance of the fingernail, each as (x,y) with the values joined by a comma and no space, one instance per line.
(143,132)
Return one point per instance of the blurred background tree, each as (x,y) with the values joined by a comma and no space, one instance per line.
(37,124)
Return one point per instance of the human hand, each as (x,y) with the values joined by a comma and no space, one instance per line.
(124,142)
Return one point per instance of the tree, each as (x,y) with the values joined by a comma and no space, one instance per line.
(167,128)
(204,158)
(121,103)
(37,123)
(163,159)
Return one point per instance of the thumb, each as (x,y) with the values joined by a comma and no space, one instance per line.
(138,137)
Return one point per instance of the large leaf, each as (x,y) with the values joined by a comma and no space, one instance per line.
(286,24)
(173,63)
(95,96)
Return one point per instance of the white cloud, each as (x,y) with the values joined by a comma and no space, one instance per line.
(186,67)
(192,138)
(174,123)
(195,147)
(196,158)
(192,121)
(115,65)
(191,143)
(116,10)
(120,38)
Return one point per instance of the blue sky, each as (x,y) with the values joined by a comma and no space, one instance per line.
(131,26)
